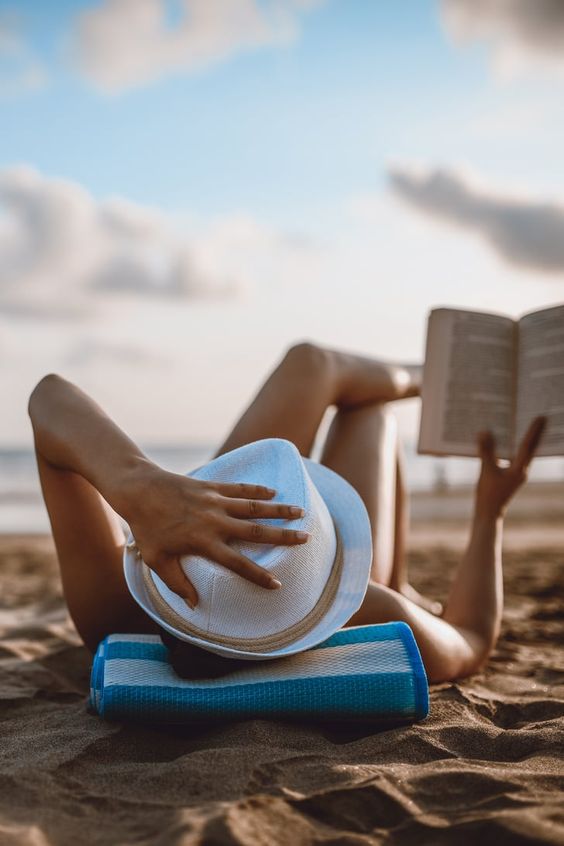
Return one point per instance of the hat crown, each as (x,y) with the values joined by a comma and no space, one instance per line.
(230,607)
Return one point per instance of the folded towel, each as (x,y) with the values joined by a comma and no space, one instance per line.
(363,673)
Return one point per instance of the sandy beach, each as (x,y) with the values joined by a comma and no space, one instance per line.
(485,767)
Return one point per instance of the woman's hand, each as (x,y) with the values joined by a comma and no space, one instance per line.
(497,484)
(172,515)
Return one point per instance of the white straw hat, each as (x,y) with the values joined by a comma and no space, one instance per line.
(323,580)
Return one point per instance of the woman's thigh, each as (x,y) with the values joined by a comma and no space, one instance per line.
(89,541)
(290,404)
(362,446)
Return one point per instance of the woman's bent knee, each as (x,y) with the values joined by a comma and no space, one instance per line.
(308,364)
(307,357)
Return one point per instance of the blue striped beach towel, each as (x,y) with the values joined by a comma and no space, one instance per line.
(363,673)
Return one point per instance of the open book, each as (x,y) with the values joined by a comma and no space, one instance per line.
(487,371)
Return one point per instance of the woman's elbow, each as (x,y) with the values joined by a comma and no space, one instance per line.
(43,387)
(465,661)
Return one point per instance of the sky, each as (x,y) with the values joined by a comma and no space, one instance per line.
(188,188)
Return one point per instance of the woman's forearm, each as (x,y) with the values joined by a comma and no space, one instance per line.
(476,598)
(73,433)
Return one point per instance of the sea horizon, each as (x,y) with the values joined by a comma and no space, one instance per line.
(22,510)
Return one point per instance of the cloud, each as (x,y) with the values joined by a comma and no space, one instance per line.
(20,70)
(91,351)
(528,233)
(120,44)
(64,255)
(523,34)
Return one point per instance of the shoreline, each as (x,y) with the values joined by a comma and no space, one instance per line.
(535,538)
(442,518)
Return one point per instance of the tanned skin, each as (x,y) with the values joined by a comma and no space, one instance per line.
(91,472)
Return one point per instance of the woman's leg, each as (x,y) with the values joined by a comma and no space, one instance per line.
(362,445)
(310,379)
(290,405)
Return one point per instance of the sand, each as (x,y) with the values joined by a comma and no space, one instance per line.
(485,767)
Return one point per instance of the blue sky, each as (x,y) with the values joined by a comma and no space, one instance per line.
(191,212)
(278,130)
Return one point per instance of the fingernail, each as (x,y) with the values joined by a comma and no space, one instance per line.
(296,512)
(274,583)
(191,603)
(302,535)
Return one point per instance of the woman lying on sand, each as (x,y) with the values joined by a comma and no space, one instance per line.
(90,470)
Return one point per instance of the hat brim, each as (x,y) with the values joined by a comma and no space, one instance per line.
(351,519)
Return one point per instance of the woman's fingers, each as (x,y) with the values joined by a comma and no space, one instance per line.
(241,490)
(260,533)
(169,569)
(529,444)
(172,574)
(237,563)
(255,508)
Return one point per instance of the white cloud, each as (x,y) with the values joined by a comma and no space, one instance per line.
(63,254)
(125,43)
(524,34)
(137,308)
(90,350)
(257,255)
(527,232)
(20,70)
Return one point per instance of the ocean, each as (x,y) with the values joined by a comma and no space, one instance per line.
(22,509)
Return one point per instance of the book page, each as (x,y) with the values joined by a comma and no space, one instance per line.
(468,383)
(540,387)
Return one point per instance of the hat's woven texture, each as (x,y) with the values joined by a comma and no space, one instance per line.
(231,609)
(279,639)
(364,673)
(324,580)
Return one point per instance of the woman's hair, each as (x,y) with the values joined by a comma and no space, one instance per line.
(191,662)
